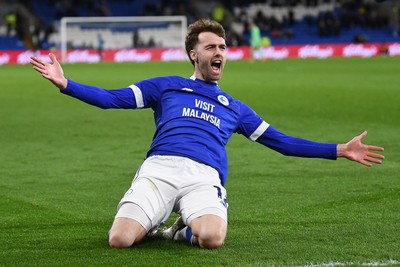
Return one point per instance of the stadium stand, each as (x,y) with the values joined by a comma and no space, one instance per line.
(283,21)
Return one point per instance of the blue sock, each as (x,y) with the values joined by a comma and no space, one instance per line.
(189,235)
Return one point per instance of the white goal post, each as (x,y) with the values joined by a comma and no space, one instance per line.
(166,31)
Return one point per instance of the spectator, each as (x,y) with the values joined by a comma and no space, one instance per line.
(136,40)
(396,20)
(218,13)
(100,46)
(255,41)
(360,39)
(11,21)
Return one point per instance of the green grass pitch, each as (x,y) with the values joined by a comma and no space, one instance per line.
(65,165)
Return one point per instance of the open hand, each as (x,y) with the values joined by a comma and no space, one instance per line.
(359,152)
(51,71)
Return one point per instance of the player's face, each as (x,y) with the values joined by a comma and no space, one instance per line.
(209,56)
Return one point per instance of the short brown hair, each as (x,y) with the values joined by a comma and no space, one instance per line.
(201,25)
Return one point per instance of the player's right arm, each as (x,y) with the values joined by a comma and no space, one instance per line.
(51,71)
(99,97)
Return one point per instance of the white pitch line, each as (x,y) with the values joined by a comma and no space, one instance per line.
(367,264)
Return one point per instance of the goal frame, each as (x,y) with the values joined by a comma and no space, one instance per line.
(65,20)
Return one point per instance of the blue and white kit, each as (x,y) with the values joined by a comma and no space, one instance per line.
(195,119)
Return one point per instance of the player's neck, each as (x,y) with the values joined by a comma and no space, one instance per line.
(194,77)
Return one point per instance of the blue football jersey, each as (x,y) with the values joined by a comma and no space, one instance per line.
(195,119)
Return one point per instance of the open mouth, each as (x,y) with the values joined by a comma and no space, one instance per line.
(216,65)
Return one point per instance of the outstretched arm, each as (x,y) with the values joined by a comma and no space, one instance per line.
(293,146)
(99,97)
(51,71)
(359,152)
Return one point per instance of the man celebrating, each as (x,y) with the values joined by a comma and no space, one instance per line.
(185,169)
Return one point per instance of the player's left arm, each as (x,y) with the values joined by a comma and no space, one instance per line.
(256,129)
(294,146)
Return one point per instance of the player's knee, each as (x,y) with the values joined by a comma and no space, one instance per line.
(125,232)
(209,230)
(116,240)
(213,244)
(211,240)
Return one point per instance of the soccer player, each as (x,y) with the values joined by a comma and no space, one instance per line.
(185,169)
(255,42)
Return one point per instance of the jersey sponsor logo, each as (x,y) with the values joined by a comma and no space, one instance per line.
(204,105)
(187,89)
(202,111)
(223,100)
(194,113)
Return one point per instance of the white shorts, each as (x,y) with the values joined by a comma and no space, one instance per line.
(165,184)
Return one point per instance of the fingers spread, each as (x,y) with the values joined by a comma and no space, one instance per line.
(37,69)
(37,61)
(363,135)
(376,148)
(40,69)
(363,162)
(375,160)
(53,58)
(374,155)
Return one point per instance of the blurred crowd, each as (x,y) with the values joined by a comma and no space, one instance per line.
(347,13)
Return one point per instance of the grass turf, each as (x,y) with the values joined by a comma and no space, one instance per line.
(65,165)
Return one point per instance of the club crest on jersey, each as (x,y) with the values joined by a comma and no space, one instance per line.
(223,100)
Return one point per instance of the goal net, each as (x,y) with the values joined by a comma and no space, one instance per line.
(121,32)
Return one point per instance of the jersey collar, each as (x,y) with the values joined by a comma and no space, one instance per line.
(197,79)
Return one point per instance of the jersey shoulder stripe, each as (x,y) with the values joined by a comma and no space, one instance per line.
(138,96)
(259,131)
